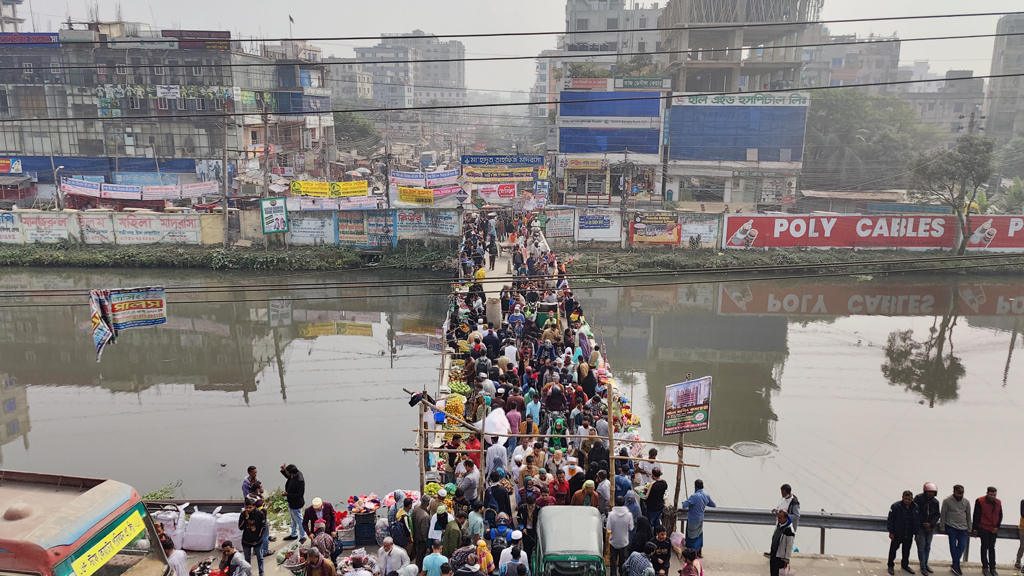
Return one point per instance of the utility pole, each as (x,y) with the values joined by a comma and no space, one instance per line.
(224,186)
(265,192)
(387,160)
(963,192)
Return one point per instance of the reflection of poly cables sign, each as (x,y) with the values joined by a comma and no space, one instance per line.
(983,234)
(973,296)
(745,236)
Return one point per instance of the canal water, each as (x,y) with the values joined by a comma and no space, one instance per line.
(851,390)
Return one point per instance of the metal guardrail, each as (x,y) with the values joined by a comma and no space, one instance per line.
(821,520)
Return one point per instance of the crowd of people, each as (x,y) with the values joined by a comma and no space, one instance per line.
(546,378)
(916,519)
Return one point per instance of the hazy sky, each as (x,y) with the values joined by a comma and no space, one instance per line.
(331,18)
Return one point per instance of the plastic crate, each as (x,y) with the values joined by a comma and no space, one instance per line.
(367,518)
(365,535)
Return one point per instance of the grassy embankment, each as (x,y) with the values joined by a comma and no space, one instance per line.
(407,254)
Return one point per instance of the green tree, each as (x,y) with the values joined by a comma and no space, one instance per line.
(1010,158)
(925,367)
(354,131)
(638,64)
(954,177)
(1013,202)
(587,69)
(856,141)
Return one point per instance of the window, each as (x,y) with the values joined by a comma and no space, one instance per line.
(958,107)
(13,427)
(837,62)
(543,77)
(101,70)
(26,67)
(5,104)
(643,23)
(10,405)
(120,69)
(200,104)
(161,103)
(182,104)
(197,70)
(218,103)
(582,24)
(641,46)
(613,23)
(159,71)
(55,67)
(931,106)
(133,102)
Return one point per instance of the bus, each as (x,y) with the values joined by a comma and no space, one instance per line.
(428,159)
(69,526)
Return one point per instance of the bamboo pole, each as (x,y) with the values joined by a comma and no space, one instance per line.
(611,453)
(421,439)
(454,451)
(679,479)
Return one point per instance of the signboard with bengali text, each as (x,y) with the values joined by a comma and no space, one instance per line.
(687,406)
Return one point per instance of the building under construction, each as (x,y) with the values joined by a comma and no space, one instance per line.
(704,55)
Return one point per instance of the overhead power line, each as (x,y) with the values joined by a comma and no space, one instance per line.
(500,104)
(566,56)
(688,26)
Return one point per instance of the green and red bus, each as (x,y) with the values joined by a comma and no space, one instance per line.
(52,525)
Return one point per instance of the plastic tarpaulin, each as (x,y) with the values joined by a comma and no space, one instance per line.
(495,423)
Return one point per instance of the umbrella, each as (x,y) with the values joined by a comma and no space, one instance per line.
(363,171)
(354,173)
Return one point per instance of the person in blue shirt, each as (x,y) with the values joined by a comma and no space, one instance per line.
(622,482)
(432,563)
(694,507)
(533,408)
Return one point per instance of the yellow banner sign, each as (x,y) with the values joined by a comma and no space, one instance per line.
(355,188)
(353,329)
(305,188)
(104,550)
(334,329)
(415,195)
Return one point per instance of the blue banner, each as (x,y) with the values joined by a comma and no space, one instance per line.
(595,222)
(523,160)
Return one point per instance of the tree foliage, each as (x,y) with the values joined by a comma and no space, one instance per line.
(354,131)
(861,142)
(638,65)
(925,368)
(1010,158)
(1013,202)
(954,177)
(587,69)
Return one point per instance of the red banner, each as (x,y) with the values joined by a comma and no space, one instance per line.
(995,233)
(846,231)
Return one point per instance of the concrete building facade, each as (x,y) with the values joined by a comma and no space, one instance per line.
(1005,98)
(735,59)
(948,107)
(622,27)
(9,20)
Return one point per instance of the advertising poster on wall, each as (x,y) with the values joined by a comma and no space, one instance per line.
(415,195)
(354,188)
(918,231)
(559,223)
(598,225)
(274,215)
(687,406)
(703,226)
(654,228)
(497,192)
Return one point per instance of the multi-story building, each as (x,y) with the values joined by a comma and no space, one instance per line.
(121,97)
(920,72)
(440,64)
(546,83)
(613,27)
(1005,99)
(704,56)
(846,60)
(9,21)
(393,73)
(348,81)
(950,105)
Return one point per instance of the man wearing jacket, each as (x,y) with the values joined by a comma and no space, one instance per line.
(955,521)
(320,510)
(782,543)
(295,490)
(928,506)
(988,516)
(903,523)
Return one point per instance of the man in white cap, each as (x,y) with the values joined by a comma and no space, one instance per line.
(929,507)
(437,502)
(506,554)
(517,463)
(320,510)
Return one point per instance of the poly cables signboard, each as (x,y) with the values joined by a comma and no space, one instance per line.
(654,228)
(995,233)
(745,231)
(687,406)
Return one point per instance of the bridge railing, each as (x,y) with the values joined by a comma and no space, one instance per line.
(821,520)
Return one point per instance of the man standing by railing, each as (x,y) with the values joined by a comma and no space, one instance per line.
(955,521)
(903,523)
(988,516)
(928,505)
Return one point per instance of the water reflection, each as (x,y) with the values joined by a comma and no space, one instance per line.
(784,355)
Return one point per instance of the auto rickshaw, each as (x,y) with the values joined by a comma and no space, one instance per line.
(570,542)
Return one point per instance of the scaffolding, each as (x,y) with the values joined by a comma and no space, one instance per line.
(750,11)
